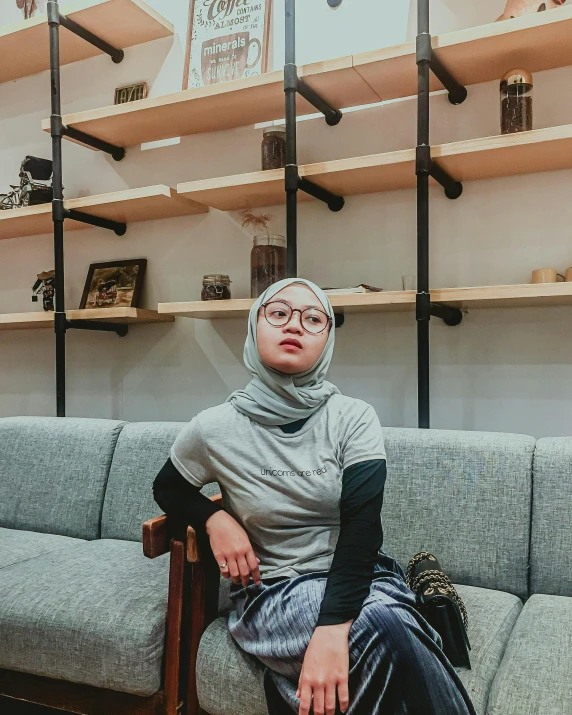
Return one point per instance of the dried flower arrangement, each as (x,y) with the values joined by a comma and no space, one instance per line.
(28,6)
(516,8)
(259,222)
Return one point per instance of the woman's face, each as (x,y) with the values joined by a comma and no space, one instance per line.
(289,348)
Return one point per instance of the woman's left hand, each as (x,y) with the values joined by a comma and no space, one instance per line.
(325,670)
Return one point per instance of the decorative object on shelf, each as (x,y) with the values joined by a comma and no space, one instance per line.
(33,189)
(216,286)
(114,284)
(28,7)
(361,288)
(226,41)
(546,275)
(268,255)
(569,274)
(516,101)
(46,286)
(131,93)
(408,282)
(516,8)
(274,147)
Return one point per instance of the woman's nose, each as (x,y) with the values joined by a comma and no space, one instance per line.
(295,323)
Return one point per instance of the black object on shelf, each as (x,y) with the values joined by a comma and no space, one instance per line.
(59,212)
(427,61)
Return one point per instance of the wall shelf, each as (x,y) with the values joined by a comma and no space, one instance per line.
(220,106)
(25,46)
(26,321)
(540,41)
(507,296)
(489,157)
(131,205)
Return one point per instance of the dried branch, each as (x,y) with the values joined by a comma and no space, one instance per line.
(259,222)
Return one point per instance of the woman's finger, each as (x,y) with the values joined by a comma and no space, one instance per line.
(252,562)
(233,569)
(343,695)
(319,700)
(220,559)
(243,570)
(330,699)
(305,699)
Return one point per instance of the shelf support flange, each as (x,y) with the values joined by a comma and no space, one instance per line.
(120,328)
(425,309)
(292,82)
(334,202)
(119,228)
(425,53)
(115,54)
(425,166)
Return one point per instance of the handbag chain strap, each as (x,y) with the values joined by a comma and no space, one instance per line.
(433,579)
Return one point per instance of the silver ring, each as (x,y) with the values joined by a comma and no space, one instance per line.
(223,565)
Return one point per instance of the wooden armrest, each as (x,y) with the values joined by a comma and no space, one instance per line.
(156,539)
(193,555)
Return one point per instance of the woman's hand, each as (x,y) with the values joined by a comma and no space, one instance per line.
(324,670)
(231,546)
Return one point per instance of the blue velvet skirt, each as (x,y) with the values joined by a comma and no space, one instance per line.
(397,666)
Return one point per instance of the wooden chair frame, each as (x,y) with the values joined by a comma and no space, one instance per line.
(192,605)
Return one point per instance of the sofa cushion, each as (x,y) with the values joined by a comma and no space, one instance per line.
(93,613)
(141,451)
(535,676)
(464,496)
(230,681)
(551,550)
(53,472)
(17,546)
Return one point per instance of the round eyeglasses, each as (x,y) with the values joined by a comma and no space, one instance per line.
(312,320)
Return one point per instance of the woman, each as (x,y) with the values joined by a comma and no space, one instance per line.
(302,471)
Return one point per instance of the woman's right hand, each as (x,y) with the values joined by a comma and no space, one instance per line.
(231,546)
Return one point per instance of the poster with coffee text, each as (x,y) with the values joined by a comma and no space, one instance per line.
(227,40)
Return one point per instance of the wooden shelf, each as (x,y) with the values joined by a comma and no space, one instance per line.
(26,321)
(509,296)
(145,204)
(538,42)
(489,157)
(220,106)
(25,47)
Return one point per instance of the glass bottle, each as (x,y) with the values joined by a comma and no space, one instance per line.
(267,262)
(216,286)
(516,101)
(274,147)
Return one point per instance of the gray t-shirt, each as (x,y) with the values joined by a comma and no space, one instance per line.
(284,489)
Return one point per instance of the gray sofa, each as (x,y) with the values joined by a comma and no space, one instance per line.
(81,605)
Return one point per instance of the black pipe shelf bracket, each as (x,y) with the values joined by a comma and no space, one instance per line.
(425,166)
(425,309)
(425,53)
(117,152)
(120,328)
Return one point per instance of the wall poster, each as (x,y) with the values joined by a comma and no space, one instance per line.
(227,40)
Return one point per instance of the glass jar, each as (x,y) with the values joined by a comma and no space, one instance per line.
(274,148)
(516,101)
(216,286)
(267,262)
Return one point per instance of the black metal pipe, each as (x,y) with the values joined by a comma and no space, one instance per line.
(453,189)
(451,316)
(119,228)
(117,152)
(335,202)
(57,206)
(115,54)
(457,93)
(120,328)
(333,116)
(291,154)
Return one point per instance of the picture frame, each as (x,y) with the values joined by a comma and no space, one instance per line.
(114,284)
(131,93)
(226,40)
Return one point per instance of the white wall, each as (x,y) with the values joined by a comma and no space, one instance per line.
(505,370)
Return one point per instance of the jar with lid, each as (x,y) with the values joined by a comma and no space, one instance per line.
(267,262)
(516,101)
(274,147)
(216,286)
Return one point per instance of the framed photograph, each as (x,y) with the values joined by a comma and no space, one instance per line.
(114,284)
(131,93)
(227,40)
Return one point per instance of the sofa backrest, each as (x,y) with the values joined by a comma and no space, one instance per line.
(551,548)
(464,496)
(53,472)
(141,451)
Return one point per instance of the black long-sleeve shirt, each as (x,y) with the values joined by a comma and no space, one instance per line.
(360,537)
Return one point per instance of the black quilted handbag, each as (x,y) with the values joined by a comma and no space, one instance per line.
(441,606)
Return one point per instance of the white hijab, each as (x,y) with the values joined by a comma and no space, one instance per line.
(272,397)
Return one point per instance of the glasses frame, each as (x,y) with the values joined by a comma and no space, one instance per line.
(297,310)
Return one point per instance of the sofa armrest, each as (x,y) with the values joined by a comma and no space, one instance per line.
(156,539)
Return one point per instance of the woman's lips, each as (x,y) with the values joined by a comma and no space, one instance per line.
(291,344)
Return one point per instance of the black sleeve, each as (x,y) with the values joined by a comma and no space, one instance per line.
(361,537)
(180,499)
